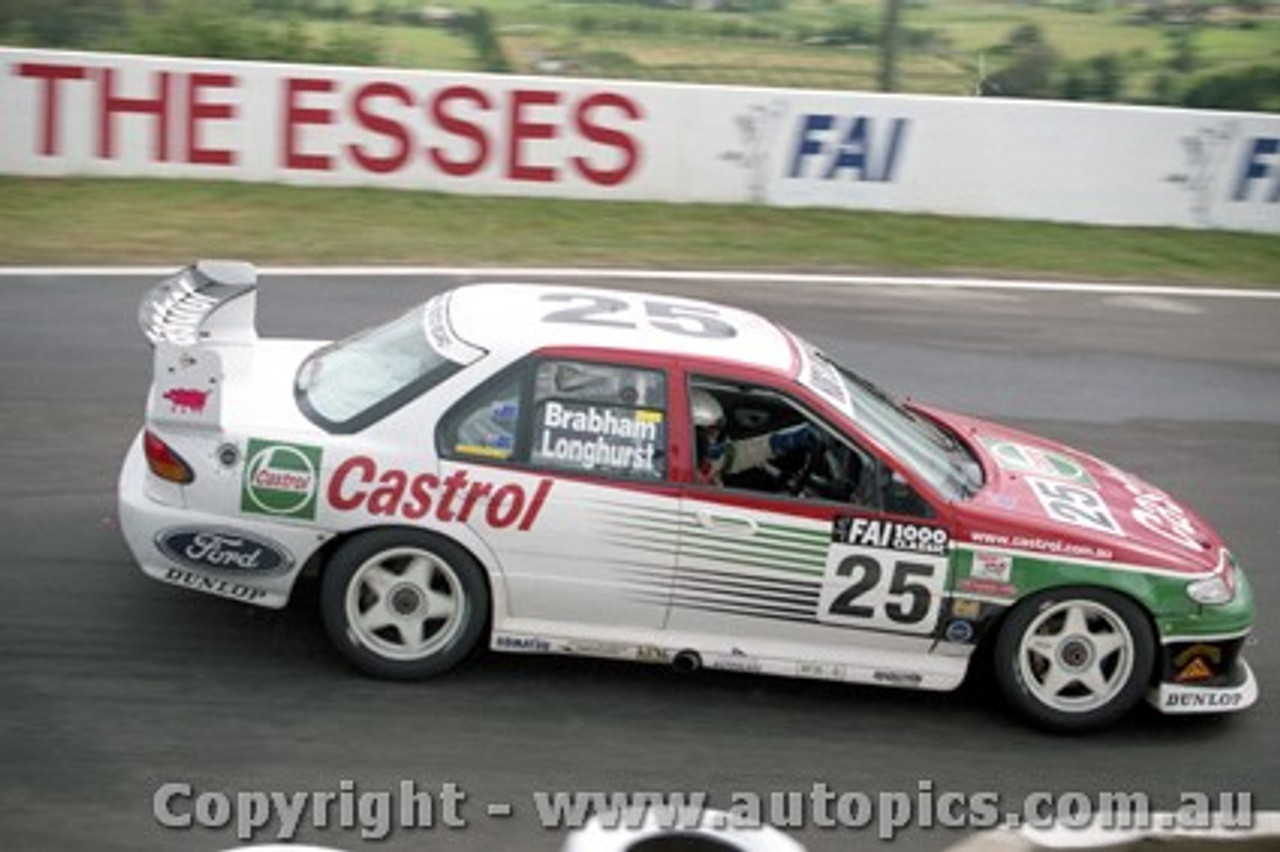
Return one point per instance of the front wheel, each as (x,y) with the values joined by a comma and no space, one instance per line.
(1074,659)
(404,605)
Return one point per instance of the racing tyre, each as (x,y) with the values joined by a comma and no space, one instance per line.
(404,605)
(1074,659)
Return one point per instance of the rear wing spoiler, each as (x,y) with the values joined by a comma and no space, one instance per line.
(211,301)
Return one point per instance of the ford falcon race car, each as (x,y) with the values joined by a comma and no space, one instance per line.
(551,469)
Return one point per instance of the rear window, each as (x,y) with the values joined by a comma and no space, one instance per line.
(353,383)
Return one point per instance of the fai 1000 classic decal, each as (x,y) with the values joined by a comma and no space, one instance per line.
(884,575)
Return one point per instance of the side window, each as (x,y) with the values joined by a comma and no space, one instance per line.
(599,418)
(486,425)
(757,439)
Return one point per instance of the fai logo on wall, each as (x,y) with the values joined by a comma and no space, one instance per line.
(281,479)
(848,148)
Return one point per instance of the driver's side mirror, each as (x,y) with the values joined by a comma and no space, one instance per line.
(899,498)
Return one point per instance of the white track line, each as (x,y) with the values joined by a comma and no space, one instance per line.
(525,273)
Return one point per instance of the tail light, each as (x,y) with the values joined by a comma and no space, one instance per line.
(164,462)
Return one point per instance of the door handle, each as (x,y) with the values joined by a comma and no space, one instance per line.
(725,523)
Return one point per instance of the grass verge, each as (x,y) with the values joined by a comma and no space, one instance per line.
(110,221)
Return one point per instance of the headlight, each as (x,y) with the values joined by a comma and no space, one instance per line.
(1211,590)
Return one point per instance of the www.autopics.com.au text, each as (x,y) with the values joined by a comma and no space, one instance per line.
(411,806)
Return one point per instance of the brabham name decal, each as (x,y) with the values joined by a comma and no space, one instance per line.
(590,437)
(359,485)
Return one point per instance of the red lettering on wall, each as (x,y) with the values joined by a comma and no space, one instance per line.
(523,129)
(111,105)
(295,114)
(50,77)
(455,125)
(382,126)
(200,110)
(607,136)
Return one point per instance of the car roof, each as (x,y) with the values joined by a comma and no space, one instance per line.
(513,319)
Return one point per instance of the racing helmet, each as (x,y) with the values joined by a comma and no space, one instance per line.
(707,410)
(708,425)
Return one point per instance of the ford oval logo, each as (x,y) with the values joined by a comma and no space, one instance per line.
(223,550)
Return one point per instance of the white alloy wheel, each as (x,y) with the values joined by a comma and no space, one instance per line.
(1075,658)
(404,604)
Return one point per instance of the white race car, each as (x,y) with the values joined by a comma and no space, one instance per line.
(549,469)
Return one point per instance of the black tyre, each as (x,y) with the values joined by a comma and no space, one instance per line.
(1074,659)
(403,604)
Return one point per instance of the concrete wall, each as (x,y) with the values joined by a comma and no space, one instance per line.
(105,114)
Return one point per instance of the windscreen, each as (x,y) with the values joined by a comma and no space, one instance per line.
(348,385)
(912,439)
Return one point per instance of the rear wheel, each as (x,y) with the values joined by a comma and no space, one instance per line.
(1074,659)
(404,604)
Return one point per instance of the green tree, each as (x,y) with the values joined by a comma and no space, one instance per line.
(488,49)
(1252,89)
(1107,74)
(1030,70)
(1186,53)
(62,23)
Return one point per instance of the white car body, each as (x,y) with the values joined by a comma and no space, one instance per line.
(637,561)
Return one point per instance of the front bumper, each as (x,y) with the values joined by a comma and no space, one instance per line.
(1202,667)
(1237,694)
(146,520)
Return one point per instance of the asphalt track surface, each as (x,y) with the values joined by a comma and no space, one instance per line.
(112,685)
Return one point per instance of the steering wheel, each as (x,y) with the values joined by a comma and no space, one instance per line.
(815,458)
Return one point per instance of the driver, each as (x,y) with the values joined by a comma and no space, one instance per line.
(719,456)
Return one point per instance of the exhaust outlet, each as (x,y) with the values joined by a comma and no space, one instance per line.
(687,661)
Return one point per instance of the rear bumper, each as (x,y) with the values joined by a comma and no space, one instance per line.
(180,546)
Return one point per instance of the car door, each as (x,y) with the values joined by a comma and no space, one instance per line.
(600,557)
(829,557)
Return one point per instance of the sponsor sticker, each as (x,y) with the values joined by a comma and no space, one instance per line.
(1184,700)
(898,678)
(187,400)
(597,648)
(890,535)
(959,631)
(223,550)
(599,437)
(992,566)
(358,484)
(991,575)
(220,586)
(821,670)
(1021,458)
(1194,671)
(653,654)
(525,644)
(281,479)
(1197,663)
(966,609)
